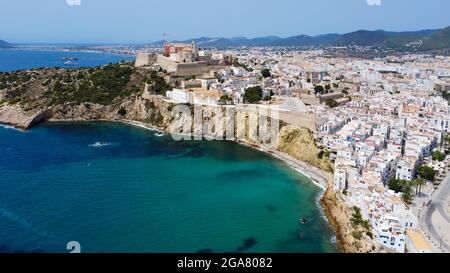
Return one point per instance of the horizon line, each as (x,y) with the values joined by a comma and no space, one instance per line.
(204,36)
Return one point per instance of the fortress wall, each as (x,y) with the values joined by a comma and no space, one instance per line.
(190,69)
(166,63)
(143,59)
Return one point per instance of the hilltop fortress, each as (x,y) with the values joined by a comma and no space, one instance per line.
(180,60)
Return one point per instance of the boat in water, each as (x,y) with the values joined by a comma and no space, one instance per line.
(100,144)
(69,63)
(70,59)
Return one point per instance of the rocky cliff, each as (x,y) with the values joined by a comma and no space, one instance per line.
(339,215)
(300,143)
(155,111)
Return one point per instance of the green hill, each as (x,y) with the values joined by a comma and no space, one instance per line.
(437,40)
(394,39)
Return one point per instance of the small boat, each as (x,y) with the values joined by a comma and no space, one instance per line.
(100,144)
(69,63)
(70,59)
(303,221)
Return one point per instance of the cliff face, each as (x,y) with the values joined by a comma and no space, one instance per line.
(300,144)
(246,125)
(339,214)
(14,116)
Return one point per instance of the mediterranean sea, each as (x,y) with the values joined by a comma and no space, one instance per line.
(113,187)
(118,188)
(12,59)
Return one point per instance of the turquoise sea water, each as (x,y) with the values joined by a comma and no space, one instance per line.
(11,60)
(117,188)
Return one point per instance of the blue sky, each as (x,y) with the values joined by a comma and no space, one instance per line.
(128,21)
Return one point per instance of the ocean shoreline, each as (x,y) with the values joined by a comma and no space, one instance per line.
(317,177)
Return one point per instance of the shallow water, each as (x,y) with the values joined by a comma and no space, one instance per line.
(119,188)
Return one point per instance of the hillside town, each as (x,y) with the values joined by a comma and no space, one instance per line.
(383,121)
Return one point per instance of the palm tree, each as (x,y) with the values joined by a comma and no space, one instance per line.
(445,140)
(419,182)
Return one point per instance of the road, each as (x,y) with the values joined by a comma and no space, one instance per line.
(436,217)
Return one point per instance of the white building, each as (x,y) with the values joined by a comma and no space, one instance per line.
(406,168)
(178,95)
(340,180)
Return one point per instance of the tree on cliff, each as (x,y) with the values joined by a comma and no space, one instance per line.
(157,83)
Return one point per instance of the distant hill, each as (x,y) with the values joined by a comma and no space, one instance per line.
(4,44)
(422,40)
(437,40)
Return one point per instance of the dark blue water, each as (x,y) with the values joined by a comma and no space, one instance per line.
(118,188)
(11,60)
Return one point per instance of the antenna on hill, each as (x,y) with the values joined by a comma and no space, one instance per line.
(165,38)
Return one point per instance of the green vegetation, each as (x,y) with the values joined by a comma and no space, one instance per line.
(446,144)
(319,89)
(403,186)
(446,95)
(331,103)
(253,94)
(447,139)
(357,234)
(437,40)
(324,154)
(102,85)
(431,40)
(419,183)
(266,73)
(438,156)
(399,185)
(157,83)
(225,99)
(358,221)
(426,172)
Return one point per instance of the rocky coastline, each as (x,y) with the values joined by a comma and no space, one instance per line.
(296,148)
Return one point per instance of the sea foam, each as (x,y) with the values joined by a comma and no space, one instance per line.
(100,144)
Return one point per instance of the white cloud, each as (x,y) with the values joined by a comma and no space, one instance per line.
(73,2)
(374,2)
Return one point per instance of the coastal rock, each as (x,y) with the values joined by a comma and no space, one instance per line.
(339,215)
(84,111)
(299,143)
(15,116)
